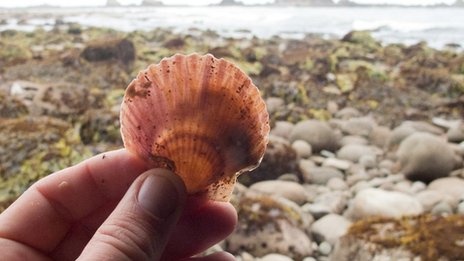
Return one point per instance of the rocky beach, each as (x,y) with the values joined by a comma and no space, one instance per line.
(365,158)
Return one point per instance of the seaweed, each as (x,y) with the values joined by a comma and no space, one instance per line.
(428,236)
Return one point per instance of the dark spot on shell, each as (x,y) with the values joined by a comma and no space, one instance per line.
(146,84)
(163,162)
(132,92)
(104,156)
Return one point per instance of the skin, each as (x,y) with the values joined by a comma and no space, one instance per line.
(91,212)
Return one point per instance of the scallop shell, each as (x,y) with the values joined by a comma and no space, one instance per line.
(199,116)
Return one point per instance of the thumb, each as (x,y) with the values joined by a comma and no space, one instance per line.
(139,227)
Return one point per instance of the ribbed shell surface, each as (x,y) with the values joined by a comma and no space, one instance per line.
(199,116)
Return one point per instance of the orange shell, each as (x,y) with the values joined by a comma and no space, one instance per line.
(199,116)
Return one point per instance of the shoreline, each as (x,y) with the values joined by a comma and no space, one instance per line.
(262,22)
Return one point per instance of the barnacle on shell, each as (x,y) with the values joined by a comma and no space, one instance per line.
(200,117)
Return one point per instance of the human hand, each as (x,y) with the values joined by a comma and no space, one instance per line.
(105,209)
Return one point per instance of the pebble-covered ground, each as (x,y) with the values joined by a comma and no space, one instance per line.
(365,159)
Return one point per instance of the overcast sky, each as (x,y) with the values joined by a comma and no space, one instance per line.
(21,3)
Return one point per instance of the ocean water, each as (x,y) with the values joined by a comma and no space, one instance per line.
(437,26)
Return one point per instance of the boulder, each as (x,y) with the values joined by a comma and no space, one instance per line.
(317,133)
(453,187)
(425,157)
(318,175)
(61,99)
(429,198)
(11,107)
(302,148)
(359,126)
(110,49)
(287,189)
(456,133)
(347,113)
(337,184)
(353,152)
(398,135)
(330,228)
(274,104)
(269,225)
(350,139)
(275,257)
(379,136)
(377,202)
(279,158)
(334,201)
(363,38)
(337,163)
(282,129)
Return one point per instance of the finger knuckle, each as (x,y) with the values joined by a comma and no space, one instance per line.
(133,238)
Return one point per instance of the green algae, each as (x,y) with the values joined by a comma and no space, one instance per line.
(41,156)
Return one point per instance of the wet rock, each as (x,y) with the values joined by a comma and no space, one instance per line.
(105,49)
(347,113)
(353,152)
(11,107)
(363,38)
(422,126)
(220,52)
(270,225)
(318,175)
(337,184)
(399,134)
(269,69)
(345,82)
(100,126)
(450,186)
(359,126)
(279,158)
(282,129)
(460,209)
(289,177)
(11,54)
(309,259)
(368,161)
(289,190)
(425,157)
(57,99)
(336,163)
(302,148)
(377,202)
(316,210)
(325,248)
(350,139)
(456,133)
(275,257)
(334,201)
(318,134)
(74,28)
(330,228)
(274,104)
(442,208)
(380,136)
(430,198)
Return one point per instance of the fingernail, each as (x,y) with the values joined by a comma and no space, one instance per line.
(158,195)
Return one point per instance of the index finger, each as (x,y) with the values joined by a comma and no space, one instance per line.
(50,206)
